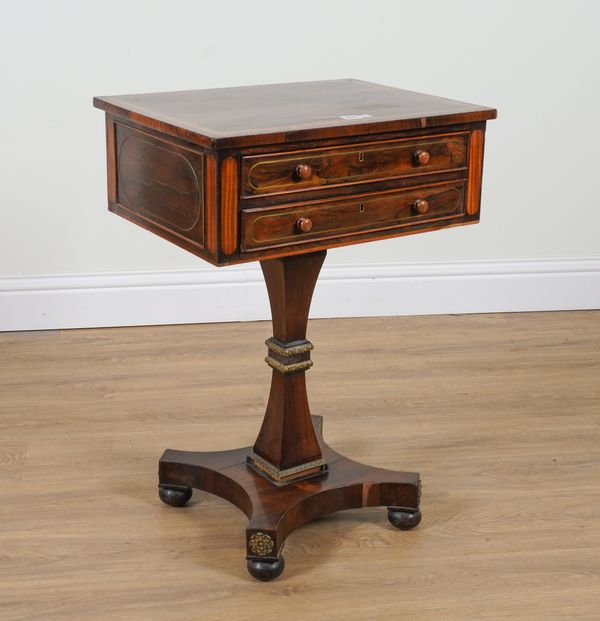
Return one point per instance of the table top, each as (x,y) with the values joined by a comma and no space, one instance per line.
(275,113)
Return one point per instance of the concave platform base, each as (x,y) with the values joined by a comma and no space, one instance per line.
(275,511)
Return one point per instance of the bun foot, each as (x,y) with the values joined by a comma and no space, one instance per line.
(174,495)
(404,519)
(266,570)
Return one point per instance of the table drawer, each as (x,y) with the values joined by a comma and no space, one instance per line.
(318,220)
(306,170)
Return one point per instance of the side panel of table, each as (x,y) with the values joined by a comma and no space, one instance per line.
(164,185)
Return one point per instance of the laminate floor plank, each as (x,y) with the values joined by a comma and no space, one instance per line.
(499,413)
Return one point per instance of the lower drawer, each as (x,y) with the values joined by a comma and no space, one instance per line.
(318,220)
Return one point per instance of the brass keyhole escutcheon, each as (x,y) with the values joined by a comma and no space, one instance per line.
(361,156)
(361,208)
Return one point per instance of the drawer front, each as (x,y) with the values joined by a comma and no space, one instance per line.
(293,172)
(320,220)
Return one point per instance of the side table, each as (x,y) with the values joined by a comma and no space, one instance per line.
(279,174)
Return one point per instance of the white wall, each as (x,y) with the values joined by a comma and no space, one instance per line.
(536,61)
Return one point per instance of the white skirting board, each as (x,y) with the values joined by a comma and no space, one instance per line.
(239,294)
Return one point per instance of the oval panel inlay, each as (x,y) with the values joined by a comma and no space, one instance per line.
(158,182)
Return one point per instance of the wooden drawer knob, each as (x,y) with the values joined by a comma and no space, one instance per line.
(422,157)
(421,205)
(303,171)
(304,225)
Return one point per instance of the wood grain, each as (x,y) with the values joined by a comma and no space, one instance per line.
(475,171)
(498,412)
(287,438)
(363,214)
(278,173)
(160,182)
(183,165)
(212,219)
(229,216)
(111,159)
(275,113)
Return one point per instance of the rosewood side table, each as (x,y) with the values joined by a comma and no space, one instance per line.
(279,174)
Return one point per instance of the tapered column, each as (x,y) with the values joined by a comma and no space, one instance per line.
(287,448)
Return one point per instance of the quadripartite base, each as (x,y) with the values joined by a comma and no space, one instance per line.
(275,511)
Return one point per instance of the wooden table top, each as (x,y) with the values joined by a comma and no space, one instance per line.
(275,113)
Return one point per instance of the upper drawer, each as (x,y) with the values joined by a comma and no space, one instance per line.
(373,161)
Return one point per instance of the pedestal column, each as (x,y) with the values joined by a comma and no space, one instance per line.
(287,448)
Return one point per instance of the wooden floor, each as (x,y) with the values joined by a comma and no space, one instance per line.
(499,413)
